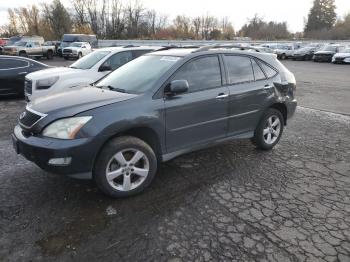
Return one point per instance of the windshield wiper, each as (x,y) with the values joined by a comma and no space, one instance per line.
(121,90)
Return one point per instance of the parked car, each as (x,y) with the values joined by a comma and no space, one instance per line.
(326,53)
(305,53)
(3,42)
(153,109)
(68,39)
(284,51)
(29,49)
(76,50)
(86,70)
(343,57)
(13,71)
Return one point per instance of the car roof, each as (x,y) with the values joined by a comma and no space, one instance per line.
(21,58)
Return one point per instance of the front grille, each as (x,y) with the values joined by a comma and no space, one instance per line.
(339,59)
(67,51)
(28,85)
(28,119)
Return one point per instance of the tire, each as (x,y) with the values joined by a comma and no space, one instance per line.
(23,54)
(260,138)
(283,57)
(116,158)
(49,55)
(80,55)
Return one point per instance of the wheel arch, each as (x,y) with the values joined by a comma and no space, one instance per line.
(283,109)
(146,134)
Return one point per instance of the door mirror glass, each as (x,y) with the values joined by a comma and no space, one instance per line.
(104,68)
(177,87)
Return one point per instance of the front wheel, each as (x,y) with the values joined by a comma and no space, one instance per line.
(269,130)
(126,166)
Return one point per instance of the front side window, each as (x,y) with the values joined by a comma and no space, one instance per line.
(117,60)
(203,73)
(90,60)
(239,69)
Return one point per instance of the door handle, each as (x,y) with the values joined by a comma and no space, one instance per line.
(268,86)
(222,96)
(22,73)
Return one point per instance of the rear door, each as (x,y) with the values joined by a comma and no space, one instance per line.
(248,85)
(200,115)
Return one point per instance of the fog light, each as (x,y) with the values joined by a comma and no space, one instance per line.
(64,161)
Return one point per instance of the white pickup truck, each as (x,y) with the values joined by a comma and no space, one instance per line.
(76,50)
(83,72)
(29,49)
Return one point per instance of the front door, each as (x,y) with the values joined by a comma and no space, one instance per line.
(200,115)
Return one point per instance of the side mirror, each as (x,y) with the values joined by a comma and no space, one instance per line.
(177,87)
(83,47)
(105,68)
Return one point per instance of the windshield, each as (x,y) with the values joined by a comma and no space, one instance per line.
(20,43)
(329,48)
(65,44)
(76,44)
(138,75)
(90,60)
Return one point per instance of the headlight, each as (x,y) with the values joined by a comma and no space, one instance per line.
(66,128)
(46,83)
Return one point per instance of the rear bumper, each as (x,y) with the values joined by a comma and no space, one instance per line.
(41,149)
(291,107)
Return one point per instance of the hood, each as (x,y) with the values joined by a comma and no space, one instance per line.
(324,53)
(75,101)
(56,71)
(342,55)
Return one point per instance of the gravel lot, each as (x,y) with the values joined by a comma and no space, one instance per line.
(227,203)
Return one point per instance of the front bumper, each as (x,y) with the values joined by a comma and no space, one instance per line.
(323,58)
(70,55)
(41,149)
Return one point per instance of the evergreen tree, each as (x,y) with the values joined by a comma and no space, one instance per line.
(322,16)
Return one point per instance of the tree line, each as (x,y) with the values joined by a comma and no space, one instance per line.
(118,19)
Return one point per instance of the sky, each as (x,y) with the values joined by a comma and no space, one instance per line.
(238,11)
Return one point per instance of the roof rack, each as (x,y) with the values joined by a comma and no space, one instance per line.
(127,46)
(233,46)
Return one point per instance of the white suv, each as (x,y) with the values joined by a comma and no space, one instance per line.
(76,50)
(85,71)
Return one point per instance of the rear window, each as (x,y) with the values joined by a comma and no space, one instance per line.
(258,73)
(239,69)
(269,71)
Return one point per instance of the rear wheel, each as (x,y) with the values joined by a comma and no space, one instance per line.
(49,55)
(283,57)
(126,166)
(269,130)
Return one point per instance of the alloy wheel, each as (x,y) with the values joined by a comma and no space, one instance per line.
(127,169)
(272,129)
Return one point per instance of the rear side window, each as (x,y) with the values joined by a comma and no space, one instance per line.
(239,69)
(202,73)
(137,53)
(12,63)
(258,73)
(119,59)
(269,71)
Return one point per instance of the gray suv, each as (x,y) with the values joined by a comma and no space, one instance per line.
(153,109)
